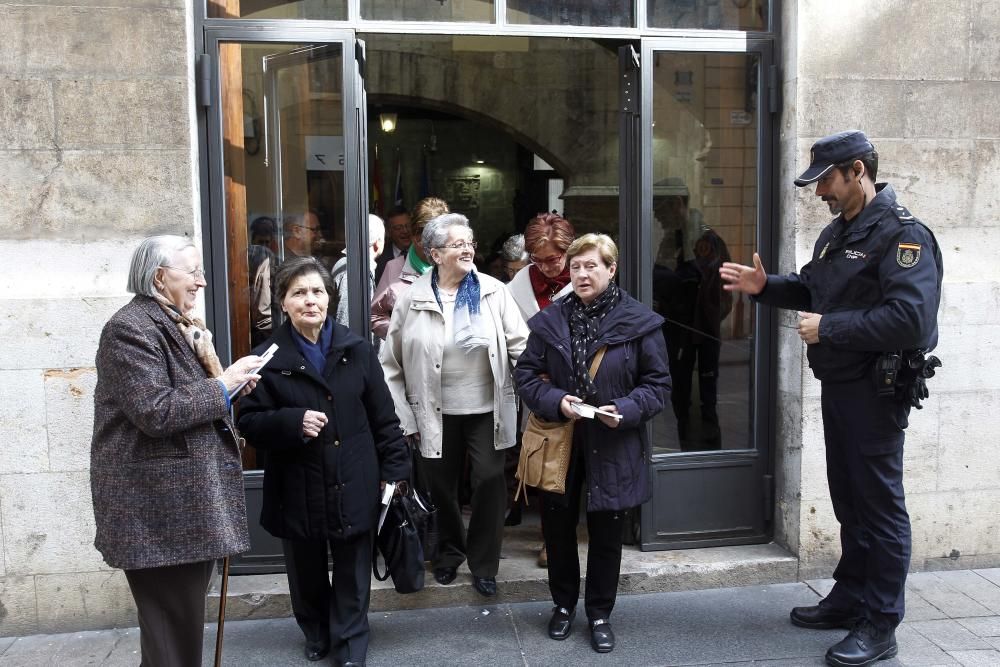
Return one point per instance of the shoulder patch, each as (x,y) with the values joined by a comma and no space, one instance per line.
(908,254)
(903,214)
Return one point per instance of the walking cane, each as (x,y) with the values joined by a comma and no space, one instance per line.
(222,611)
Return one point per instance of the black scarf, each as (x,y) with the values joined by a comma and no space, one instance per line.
(584,323)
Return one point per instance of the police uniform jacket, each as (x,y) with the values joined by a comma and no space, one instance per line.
(325,487)
(165,470)
(634,377)
(876,280)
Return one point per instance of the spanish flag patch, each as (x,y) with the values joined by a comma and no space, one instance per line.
(908,254)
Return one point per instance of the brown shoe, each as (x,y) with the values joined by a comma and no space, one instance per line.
(543,558)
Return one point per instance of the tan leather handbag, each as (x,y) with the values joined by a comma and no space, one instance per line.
(545,449)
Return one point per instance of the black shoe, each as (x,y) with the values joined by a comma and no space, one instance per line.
(445,575)
(823,617)
(561,622)
(865,644)
(513,516)
(485,585)
(602,639)
(316,651)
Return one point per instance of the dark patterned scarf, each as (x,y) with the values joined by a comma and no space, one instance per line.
(584,324)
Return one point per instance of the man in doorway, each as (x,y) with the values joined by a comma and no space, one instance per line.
(867,300)
(302,234)
(376,245)
(398,231)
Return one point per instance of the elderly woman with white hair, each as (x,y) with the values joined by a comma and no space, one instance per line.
(165,469)
(452,341)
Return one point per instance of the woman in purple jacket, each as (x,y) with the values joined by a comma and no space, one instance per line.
(610,453)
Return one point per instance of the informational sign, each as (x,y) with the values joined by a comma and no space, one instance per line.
(324,153)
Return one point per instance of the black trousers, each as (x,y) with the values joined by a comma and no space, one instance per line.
(171,605)
(604,557)
(472,435)
(332,615)
(864,463)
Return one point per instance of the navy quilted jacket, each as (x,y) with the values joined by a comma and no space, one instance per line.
(634,376)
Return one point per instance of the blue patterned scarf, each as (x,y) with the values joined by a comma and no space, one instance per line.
(468,323)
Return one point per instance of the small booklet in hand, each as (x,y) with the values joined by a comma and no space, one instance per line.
(266,357)
(589,411)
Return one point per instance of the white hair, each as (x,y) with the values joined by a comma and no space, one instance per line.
(376,228)
(152,253)
(436,231)
(513,249)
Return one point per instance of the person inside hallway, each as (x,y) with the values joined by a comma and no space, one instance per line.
(376,245)
(399,234)
(302,234)
(870,292)
(514,256)
(545,279)
(693,303)
(400,273)
(165,471)
(610,454)
(452,340)
(323,414)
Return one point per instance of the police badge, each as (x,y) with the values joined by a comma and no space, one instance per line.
(908,254)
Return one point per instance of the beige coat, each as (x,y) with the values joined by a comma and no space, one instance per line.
(413,350)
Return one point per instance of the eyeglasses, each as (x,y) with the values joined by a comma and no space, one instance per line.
(194,273)
(551,261)
(461,245)
(311,229)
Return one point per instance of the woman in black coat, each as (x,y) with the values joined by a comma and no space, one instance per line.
(324,417)
(610,453)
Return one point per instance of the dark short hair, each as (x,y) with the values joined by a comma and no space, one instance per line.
(296,267)
(396,210)
(869,159)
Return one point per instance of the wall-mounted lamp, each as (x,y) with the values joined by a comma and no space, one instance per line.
(477,159)
(387,121)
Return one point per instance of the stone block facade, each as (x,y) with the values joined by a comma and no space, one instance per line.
(97,150)
(919,79)
(95,153)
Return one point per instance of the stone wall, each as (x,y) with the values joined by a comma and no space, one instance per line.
(922,79)
(95,153)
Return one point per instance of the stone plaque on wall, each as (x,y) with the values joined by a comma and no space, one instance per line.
(463,193)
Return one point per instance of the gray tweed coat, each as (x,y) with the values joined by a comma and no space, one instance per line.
(165,469)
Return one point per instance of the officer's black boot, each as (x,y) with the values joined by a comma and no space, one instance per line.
(865,644)
(824,616)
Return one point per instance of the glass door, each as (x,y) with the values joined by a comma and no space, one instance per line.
(706,164)
(288,177)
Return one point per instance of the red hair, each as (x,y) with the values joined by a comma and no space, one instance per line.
(548,228)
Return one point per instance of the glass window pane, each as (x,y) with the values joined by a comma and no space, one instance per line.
(328,10)
(498,158)
(705,213)
(472,11)
(708,14)
(603,13)
(283,137)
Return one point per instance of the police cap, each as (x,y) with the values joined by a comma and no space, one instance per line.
(831,151)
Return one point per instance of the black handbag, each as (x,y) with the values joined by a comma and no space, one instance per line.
(400,541)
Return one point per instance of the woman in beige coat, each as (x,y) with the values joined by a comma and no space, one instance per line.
(452,341)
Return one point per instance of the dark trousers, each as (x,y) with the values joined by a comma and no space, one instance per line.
(171,605)
(337,615)
(864,462)
(682,363)
(472,435)
(604,557)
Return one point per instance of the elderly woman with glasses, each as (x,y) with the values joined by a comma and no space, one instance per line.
(452,342)
(165,470)
(546,278)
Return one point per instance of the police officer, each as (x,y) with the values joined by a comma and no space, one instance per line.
(871,291)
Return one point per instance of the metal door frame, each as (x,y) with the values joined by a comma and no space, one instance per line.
(355,179)
(763,390)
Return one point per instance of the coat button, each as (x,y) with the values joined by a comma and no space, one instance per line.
(336,443)
(437,365)
(329,398)
(336,487)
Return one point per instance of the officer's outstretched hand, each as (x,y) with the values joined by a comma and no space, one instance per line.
(740,278)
